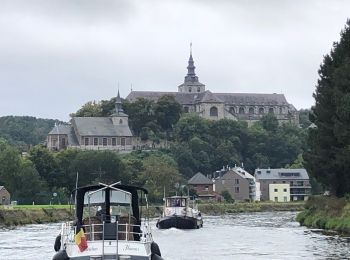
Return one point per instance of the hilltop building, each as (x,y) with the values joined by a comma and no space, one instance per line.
(296,184)
(249,107)
(94,133)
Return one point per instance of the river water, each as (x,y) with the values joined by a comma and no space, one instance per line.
(267,235)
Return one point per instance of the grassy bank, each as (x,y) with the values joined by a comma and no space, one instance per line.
(328,213)
(37,214)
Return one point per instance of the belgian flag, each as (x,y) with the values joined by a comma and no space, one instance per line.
(80,240)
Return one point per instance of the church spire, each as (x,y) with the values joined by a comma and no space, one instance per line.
(191,74)
(118,103)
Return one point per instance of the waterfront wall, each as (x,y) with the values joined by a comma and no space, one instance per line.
(14,217)
(329,213)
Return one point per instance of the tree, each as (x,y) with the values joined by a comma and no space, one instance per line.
(328,157)
(167,111)
(159,172)
(89,109)
(227,196)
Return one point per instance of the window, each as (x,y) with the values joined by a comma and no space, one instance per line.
(237,189)
(268,171)
(186,109)
(63,141)
(222,181)
(121,121)
(276,199)
(104,141)
(232,110)
(285,199)
(284,190)
(259,172)
(276,190)
(114,141)
(241,110)
(122,141)
(206,188)
(261,110)
(271,110)
(213,111)
(95,141)
(189,89)
(236,181)
(283,181)
(281,110)
(198,89)
(86,140)
(251,110)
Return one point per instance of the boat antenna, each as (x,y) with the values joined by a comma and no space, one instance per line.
(76,190)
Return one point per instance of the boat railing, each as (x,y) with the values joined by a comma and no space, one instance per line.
(108,231)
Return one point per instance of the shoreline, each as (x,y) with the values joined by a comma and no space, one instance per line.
(326,213)
(40,214)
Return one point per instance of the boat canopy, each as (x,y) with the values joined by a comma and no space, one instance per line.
(108,196)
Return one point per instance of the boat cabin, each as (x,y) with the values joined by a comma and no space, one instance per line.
(176,201)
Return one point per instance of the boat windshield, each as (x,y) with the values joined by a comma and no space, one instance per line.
(95,203)
(176,202)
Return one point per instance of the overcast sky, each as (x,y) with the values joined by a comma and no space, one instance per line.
(57,55)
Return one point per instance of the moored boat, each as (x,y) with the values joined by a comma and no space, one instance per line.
(107,226)
(178,213)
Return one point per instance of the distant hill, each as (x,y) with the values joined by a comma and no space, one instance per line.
(25,131)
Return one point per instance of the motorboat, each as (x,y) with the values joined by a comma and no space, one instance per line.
(180,212)
(108,225)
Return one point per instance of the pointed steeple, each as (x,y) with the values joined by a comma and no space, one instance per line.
(191,74)
(118,103)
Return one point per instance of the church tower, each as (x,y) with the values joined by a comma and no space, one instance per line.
(119,117)
(191,83)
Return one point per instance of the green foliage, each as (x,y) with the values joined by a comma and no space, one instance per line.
(227,196)
(25,131)
(328,158)
(304,119)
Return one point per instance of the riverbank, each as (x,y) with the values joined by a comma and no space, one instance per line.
(21,215)
(216,209)
(329,213)
(38,214)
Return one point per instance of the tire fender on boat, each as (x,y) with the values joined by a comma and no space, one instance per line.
(57,245)
(155,249)
(61,255)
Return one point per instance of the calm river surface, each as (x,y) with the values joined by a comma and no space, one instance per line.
(268,235)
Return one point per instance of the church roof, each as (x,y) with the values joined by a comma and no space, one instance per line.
(208,97)
(199,178)
(99,126)
(60,129)
(252,99)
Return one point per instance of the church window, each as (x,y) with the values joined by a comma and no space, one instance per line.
(189,89)
(86,141)
(122,141)
(95,141)
(251,110)
(121,121)
(104,141)
(281,110)
(118,141)
(114,141)
(261,110)
(241,110)
(213,111)
(232,110)
(198,89)
(186,109)
(271,110)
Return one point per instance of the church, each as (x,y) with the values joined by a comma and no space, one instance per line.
(94,133)
(250,107)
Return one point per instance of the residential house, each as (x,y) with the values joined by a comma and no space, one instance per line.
(94,133)
(298,180)
(250,107)
(202,185)
(279,192)
(238,182)
(5,197)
